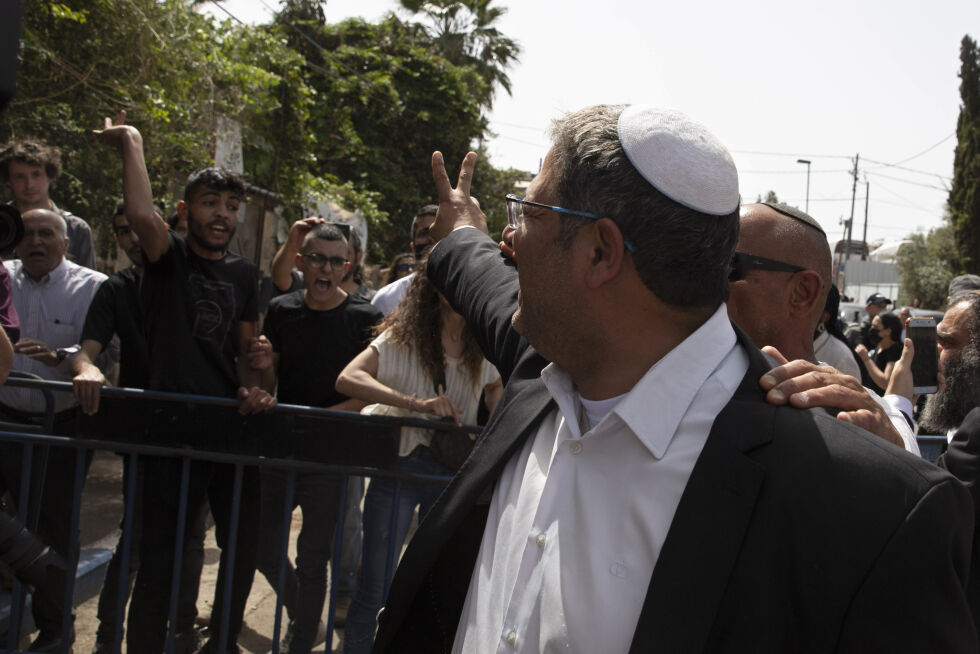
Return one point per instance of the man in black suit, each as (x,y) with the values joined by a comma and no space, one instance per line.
(638,493)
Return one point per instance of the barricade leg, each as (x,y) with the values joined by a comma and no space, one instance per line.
(278,491)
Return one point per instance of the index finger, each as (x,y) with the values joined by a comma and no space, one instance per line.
(466,173)
(443,188)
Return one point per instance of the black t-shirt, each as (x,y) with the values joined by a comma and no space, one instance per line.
(115,309)
(882,358)
(314,346)
(190,309)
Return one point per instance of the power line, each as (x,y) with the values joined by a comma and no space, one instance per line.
(788,154)
(906,181)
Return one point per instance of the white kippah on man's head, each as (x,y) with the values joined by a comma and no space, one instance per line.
(680,158)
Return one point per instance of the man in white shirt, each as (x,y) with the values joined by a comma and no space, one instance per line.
(645,495)
(52,296)
(388,297)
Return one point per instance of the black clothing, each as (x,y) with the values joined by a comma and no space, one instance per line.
(315,346)
(190,307)
(882,358)
(115,309)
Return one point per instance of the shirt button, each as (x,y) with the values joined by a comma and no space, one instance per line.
(512,638)
(541,540)
(575,447)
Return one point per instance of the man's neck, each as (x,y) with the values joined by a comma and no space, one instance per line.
(203,252)
(350,285)
(40,204)
(42,276)
(623,355)
(332,302)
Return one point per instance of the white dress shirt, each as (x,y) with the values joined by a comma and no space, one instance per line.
(51,310)
(388,297)
(578,520)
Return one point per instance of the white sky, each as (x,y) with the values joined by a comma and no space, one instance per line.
(774,80)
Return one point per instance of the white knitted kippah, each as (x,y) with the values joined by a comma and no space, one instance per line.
(680,158)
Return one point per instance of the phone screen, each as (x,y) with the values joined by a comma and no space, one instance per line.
(925,363)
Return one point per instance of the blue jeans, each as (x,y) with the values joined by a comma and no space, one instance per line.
(305,587)
(370,593)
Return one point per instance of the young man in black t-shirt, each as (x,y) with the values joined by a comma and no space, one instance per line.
(115,312)
(313,333)
(199,316)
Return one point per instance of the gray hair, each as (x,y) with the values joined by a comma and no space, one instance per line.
(682,255)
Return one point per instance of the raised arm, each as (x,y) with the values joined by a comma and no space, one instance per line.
(468,268)
(136,186)
(282,262)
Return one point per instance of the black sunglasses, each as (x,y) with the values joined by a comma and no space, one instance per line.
(742,263)
(343,227)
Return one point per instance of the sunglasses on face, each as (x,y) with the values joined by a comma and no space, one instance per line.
(743,263)
(318,260)
(405,267)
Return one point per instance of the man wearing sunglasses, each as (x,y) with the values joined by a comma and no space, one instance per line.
(634,490)
(387,298)
(778,288)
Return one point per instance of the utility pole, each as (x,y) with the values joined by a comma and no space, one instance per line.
(850,223)
(807,162)
(864,239)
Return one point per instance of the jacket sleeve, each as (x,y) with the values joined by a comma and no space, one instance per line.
(481,285)
(927,559)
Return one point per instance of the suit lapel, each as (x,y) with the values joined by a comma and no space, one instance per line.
(507,430)
(706,533)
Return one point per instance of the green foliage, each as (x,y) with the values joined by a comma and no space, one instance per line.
(351,111)
(964,195)
(924,269)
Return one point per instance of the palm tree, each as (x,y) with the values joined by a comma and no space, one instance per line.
(463,32)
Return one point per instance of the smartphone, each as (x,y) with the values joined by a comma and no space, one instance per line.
(925,363)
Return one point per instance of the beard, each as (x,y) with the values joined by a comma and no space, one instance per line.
(947,408)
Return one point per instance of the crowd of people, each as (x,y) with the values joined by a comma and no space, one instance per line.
(646,348)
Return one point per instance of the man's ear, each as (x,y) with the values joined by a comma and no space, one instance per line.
(607,252)
(182,209)
(806,293)
(298,260)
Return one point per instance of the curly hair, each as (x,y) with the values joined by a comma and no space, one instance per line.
(33,153)
(416,323)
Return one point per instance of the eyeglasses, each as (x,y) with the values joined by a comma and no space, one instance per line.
(318,260)
(742,263)
(515,213)
(405,267)
(343,227)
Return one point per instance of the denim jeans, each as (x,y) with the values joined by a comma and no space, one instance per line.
(370,593)
(305,587)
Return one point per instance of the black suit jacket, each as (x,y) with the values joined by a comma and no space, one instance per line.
(796,532)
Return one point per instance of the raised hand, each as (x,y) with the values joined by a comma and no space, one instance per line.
(456,206)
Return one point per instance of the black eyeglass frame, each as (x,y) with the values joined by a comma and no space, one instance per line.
(324,261)
(742,263)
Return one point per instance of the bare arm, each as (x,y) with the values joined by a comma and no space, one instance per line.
(360,380)
(878,376)
(136,186)
(88,380)
(252,391)
(6,356)
(492,393)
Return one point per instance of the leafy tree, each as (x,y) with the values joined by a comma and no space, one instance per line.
(964,195)
(463,32)
(923,268)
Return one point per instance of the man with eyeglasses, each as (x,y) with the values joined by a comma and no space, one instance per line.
(634,490)
(388,297)
(779,282)
(315,332)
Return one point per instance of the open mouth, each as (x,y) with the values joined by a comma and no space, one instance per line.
(219,230)
(323,285)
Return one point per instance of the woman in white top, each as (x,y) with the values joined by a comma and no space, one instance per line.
(424,363)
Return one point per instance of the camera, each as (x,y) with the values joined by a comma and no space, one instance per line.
(11,227)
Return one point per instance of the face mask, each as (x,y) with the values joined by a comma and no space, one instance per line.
(874,337)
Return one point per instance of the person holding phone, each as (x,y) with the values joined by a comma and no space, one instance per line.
(886,332)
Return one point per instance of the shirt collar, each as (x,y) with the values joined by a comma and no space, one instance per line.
(56,276)
(654,407)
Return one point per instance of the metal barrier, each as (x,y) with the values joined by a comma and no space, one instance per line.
(139,423)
